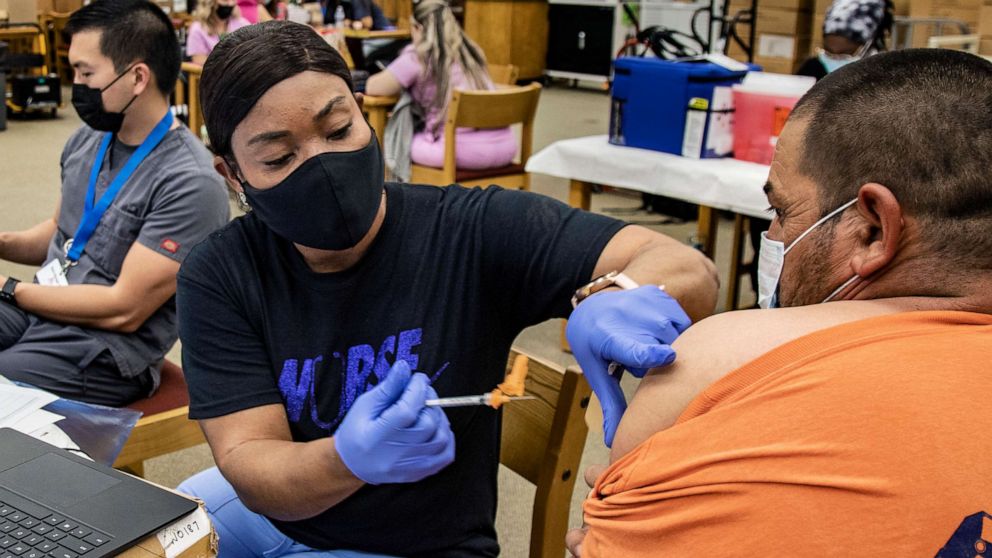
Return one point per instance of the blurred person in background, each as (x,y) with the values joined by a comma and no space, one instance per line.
(211,21)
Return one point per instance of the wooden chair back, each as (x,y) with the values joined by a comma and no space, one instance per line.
(486,109)
(195,113)
(504,74)
(542,441)
(54,24)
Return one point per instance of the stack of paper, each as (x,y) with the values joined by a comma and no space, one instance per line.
(21,409)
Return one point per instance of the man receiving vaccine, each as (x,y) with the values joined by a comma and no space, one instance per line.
(138,191)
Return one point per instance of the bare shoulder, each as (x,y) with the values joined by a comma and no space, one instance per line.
(718,345)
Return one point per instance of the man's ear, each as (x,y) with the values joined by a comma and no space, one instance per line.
(143,78)
(882,229)
(230,174)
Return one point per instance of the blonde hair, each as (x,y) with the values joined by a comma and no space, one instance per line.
(443,43)
(206,14)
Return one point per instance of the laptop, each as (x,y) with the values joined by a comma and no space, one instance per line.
(54,504)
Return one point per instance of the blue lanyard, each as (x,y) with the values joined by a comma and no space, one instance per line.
(95,209)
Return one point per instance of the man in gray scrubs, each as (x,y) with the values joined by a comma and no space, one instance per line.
(138,192)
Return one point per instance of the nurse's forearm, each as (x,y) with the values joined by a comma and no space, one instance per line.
(289,481)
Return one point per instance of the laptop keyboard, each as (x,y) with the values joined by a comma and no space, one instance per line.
(28,530)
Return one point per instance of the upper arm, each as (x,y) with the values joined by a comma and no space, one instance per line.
(538,250)
(146,282)
(627,243)
(226,362)
(200,59)
(706,352)
(717,346)
(177,222)
(383,84)
(191,208)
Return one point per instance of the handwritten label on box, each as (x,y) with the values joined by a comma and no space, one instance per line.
(181,535)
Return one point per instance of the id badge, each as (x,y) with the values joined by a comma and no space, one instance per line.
(52,274)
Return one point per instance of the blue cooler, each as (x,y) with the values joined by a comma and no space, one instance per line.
(679,107)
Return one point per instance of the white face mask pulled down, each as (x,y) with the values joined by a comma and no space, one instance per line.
(771,258)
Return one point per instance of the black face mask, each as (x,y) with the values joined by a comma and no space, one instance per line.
(88,102)
(328,203)
(224,12)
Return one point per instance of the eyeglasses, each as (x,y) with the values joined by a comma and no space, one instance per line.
(862,51)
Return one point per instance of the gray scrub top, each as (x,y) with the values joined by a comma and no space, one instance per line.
(173,200)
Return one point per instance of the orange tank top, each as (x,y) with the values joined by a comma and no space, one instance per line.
(872,438)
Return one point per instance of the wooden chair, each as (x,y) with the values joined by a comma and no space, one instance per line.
(485,109)
(542,441)
(54,24)
(164,427)
(192,97)
(504,74)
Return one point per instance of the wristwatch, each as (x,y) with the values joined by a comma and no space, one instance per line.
(7,294)
(611,279)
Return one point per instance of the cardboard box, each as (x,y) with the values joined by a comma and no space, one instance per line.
(794,5)
(967,11)
(779,51)
(20,11)
(964,10)
(190,537)
(816,33)
(67,6)
(985,21)
(780,22)
(777,65)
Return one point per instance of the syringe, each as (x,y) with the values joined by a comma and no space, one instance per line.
(470,400)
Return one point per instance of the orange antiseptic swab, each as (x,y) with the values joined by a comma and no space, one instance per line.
(514,382)
(497,398)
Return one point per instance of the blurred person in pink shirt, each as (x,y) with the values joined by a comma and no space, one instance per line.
(441,59)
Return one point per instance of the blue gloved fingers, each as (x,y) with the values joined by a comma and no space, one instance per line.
(388,390)
(635,353)
(619,369)
(664,333)
(441,448)
(658,301)
(428,422)
(636,371)
(405,411)
(428,460)
(678,317)
(607,390)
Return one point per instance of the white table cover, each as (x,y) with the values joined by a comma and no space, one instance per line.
(719,183)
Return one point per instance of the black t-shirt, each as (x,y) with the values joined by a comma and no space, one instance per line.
(449,282)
